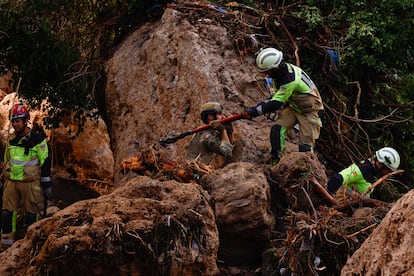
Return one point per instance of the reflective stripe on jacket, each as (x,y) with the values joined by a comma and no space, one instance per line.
(295,87)
(25,157)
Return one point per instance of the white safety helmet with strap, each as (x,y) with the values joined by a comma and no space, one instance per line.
(268,58)
(389,157)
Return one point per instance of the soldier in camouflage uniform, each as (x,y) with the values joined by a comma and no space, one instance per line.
(213,146)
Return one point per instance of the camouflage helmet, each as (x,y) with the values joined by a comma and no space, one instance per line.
(213,108)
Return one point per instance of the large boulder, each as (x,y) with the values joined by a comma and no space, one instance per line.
(163,72)
(146,227)
(389,249)
(241,196)
(83,148)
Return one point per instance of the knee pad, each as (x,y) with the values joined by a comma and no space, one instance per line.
(7,221)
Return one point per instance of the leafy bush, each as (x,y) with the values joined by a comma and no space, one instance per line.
(373,85)
(58,47)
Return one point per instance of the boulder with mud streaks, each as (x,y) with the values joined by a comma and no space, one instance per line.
(146,227)
(241,196)
(389,249)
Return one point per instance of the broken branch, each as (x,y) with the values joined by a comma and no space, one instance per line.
(376,183)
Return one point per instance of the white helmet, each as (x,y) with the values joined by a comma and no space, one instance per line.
(389,157)
(268,58)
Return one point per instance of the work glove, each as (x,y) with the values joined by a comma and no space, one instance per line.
(226,149)
(46,188)
(265,107)
(252,112)
(217,126)
(245,115)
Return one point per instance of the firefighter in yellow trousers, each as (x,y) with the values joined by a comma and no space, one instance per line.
(27,175)
(296,98)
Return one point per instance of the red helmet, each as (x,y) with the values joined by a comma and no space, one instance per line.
(19,111)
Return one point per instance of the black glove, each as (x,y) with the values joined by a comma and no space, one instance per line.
(46,188)
(252,112)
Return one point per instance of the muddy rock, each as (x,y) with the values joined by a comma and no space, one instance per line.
(389,249)
(146,227)
(241,196)
(85,151)
(164,72)
(293,180)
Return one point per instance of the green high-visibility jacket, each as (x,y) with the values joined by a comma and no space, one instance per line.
(353,178)
(27,158)
(294,87)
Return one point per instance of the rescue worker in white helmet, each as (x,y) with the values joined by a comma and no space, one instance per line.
(297,98)
(27,169)
(358,177)
(209,145)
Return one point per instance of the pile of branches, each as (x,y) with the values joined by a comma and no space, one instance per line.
(154,163)
(319,243)
(316,231)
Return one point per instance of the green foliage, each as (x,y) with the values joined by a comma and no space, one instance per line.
(311,15)
(29,49)
(378,35)
(58,47)
(374,41)
(401,91)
